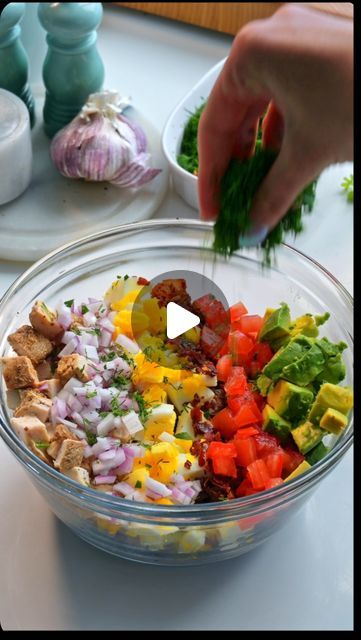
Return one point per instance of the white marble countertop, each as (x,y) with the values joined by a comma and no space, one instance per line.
(302,578)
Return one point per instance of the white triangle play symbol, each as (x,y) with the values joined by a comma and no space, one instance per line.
(179,320)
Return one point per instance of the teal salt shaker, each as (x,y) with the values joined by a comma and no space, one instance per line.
(72,68)
(14,64)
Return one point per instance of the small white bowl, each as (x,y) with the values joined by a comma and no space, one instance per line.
(184,182)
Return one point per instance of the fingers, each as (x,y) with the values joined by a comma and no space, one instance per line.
(272,128)
(227,129)
(287,177)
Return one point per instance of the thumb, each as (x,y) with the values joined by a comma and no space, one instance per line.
(288,176)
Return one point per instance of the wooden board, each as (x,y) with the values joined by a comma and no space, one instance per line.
(227,17)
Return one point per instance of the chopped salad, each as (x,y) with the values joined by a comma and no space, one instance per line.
(104,397)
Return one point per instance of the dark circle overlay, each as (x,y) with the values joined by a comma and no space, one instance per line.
(195,293)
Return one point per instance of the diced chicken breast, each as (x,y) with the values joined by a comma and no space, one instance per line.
(70,455)
(28,342)
(73,366)
(19,373)
(53,386)
(63,433)
(30,428)
(79,475)
(53,448)
(40,452)
(45,321)
(44,370)
(34,403)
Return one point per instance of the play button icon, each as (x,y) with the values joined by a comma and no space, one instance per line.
(179,320)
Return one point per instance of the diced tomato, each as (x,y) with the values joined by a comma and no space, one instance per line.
(246,451)
(224,467)
(240,347)
(250,324)
(236,384)
(246,432)
(215,317)
(245,488)
(200,305)
(253,370)
(221,449)
(266,443)
(291,460)
(273,482)
(253,335)
(237,310)
(224,367)
(211,343)
(261,353)
(247,414)
(225,423)
(143,281)
(259,400)
(274,463)
(258,474)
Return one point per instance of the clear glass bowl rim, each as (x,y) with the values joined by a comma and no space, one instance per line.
(88,497)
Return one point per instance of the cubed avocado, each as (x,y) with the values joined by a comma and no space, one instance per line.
(331,396)
(306,436)
(263,384)
(303,370)
(275,424)
(290,401)
(283,357)
(334,370)
(317,453)
(277,325)
(333,421)
(306,325)
(304,466)
(331,349)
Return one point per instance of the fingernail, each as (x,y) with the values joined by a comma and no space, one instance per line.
(253,237)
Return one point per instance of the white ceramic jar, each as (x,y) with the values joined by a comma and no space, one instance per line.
(15,147)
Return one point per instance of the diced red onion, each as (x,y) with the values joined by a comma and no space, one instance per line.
(68,336)
(97,380)
(89,352)
(125,467)
(69,348)
(74,404)
(87,451)
(124,488)
(105,425)
(157,487)
(179,496)
(105,338)
(91,416)
(107,455)
(89,319)
(104,479)
(64,316)
(71,385)
(107,325)
(127,344)
(103,444)
(77,418)
(134,450)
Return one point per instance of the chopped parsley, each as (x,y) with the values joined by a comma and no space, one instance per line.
(183,436)
(103,414)
(347,187)
(138,484)
(107,357)
(120,381)
(126,277)
(144,411)
(116,410)
(148,466)
(84,309)
(90,394)
(42,445)
(69,303)
(91,438)
(207,415)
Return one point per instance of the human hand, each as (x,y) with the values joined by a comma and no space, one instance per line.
(298,65)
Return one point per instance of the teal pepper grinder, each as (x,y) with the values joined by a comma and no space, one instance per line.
(72,68)
(14,64)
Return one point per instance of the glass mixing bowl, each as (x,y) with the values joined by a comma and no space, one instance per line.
(161,534)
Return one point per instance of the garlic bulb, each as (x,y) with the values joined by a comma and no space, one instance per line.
(100,144)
